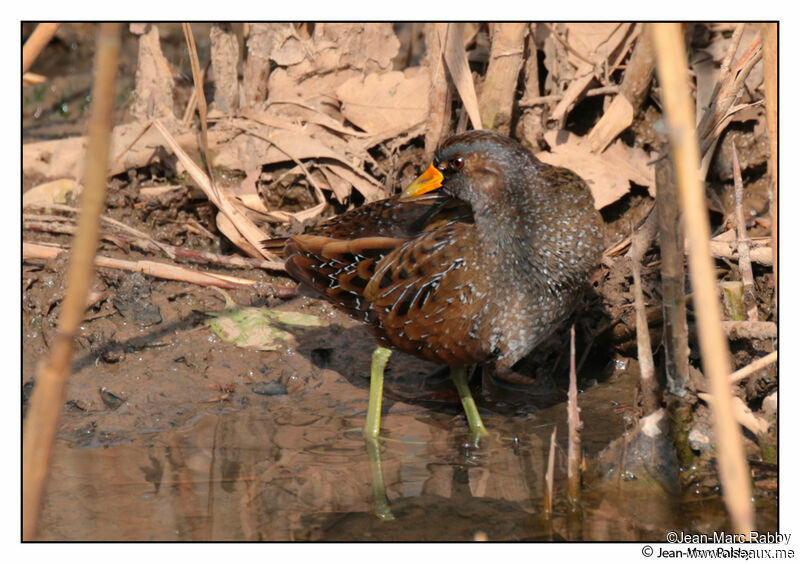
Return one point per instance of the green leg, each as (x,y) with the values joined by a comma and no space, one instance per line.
(380,501)
(380,357)
(372,428)
(459,375)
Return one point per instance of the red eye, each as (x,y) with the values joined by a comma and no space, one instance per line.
(457,162)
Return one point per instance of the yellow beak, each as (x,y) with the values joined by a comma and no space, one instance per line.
(429,180)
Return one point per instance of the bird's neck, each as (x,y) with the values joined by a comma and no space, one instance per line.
(526,237)
(510,237)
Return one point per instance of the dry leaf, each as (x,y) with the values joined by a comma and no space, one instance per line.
(380,102)
(339,186)
(595,42)
(264,145)
(588,39)
(336,52)
(608,174)
(287,46)
(55,192)
(616,119)
(259,328)
(718,48)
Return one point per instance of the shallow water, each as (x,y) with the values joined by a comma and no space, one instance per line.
(291,474)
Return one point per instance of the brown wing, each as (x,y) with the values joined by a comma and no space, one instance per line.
(422,298)
(393,217)
(338,269)
(398,266)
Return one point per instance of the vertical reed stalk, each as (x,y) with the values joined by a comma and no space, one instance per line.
(41,423)
(574,427)
(673,74)
(37,41)
(770,34)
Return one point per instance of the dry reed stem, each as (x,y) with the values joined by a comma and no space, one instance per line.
(724,71)
(769,32)
(743,414)
(105,219)
(754,367)
(670,231)
(673,72)
(574,427)
(159,270)
(37,41)
(224,63)
(202,106)
(760,252)
(644,348)
(721,109)
(743,243)
(455,56)
(440,97)
(31,78)
(153,94)
(191,105)
(632,91)
(750,329)
(143,242)
(527,102)
(639,72)
(761,255)
(255,72)
(726,92)
(250,237)
(499,87)
(548,478)
(41,423)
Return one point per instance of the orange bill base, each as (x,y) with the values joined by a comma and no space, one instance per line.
(429,180)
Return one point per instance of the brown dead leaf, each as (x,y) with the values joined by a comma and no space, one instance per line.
(380,102)
(589,39)
(288,48)
(336,52)
(262,145)
(316,89)
(591,45)
(55,192)
(367,46)
(339,186)
(608,174)
(370,189)
(616,119)
(718,48)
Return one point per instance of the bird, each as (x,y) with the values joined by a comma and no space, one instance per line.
(476,262)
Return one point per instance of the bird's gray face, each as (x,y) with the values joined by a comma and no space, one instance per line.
(474,167)
(465,176)
(477,171)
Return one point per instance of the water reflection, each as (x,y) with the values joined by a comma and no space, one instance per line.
(255,476)
(287,474)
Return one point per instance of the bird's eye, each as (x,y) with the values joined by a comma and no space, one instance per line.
(457,162)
